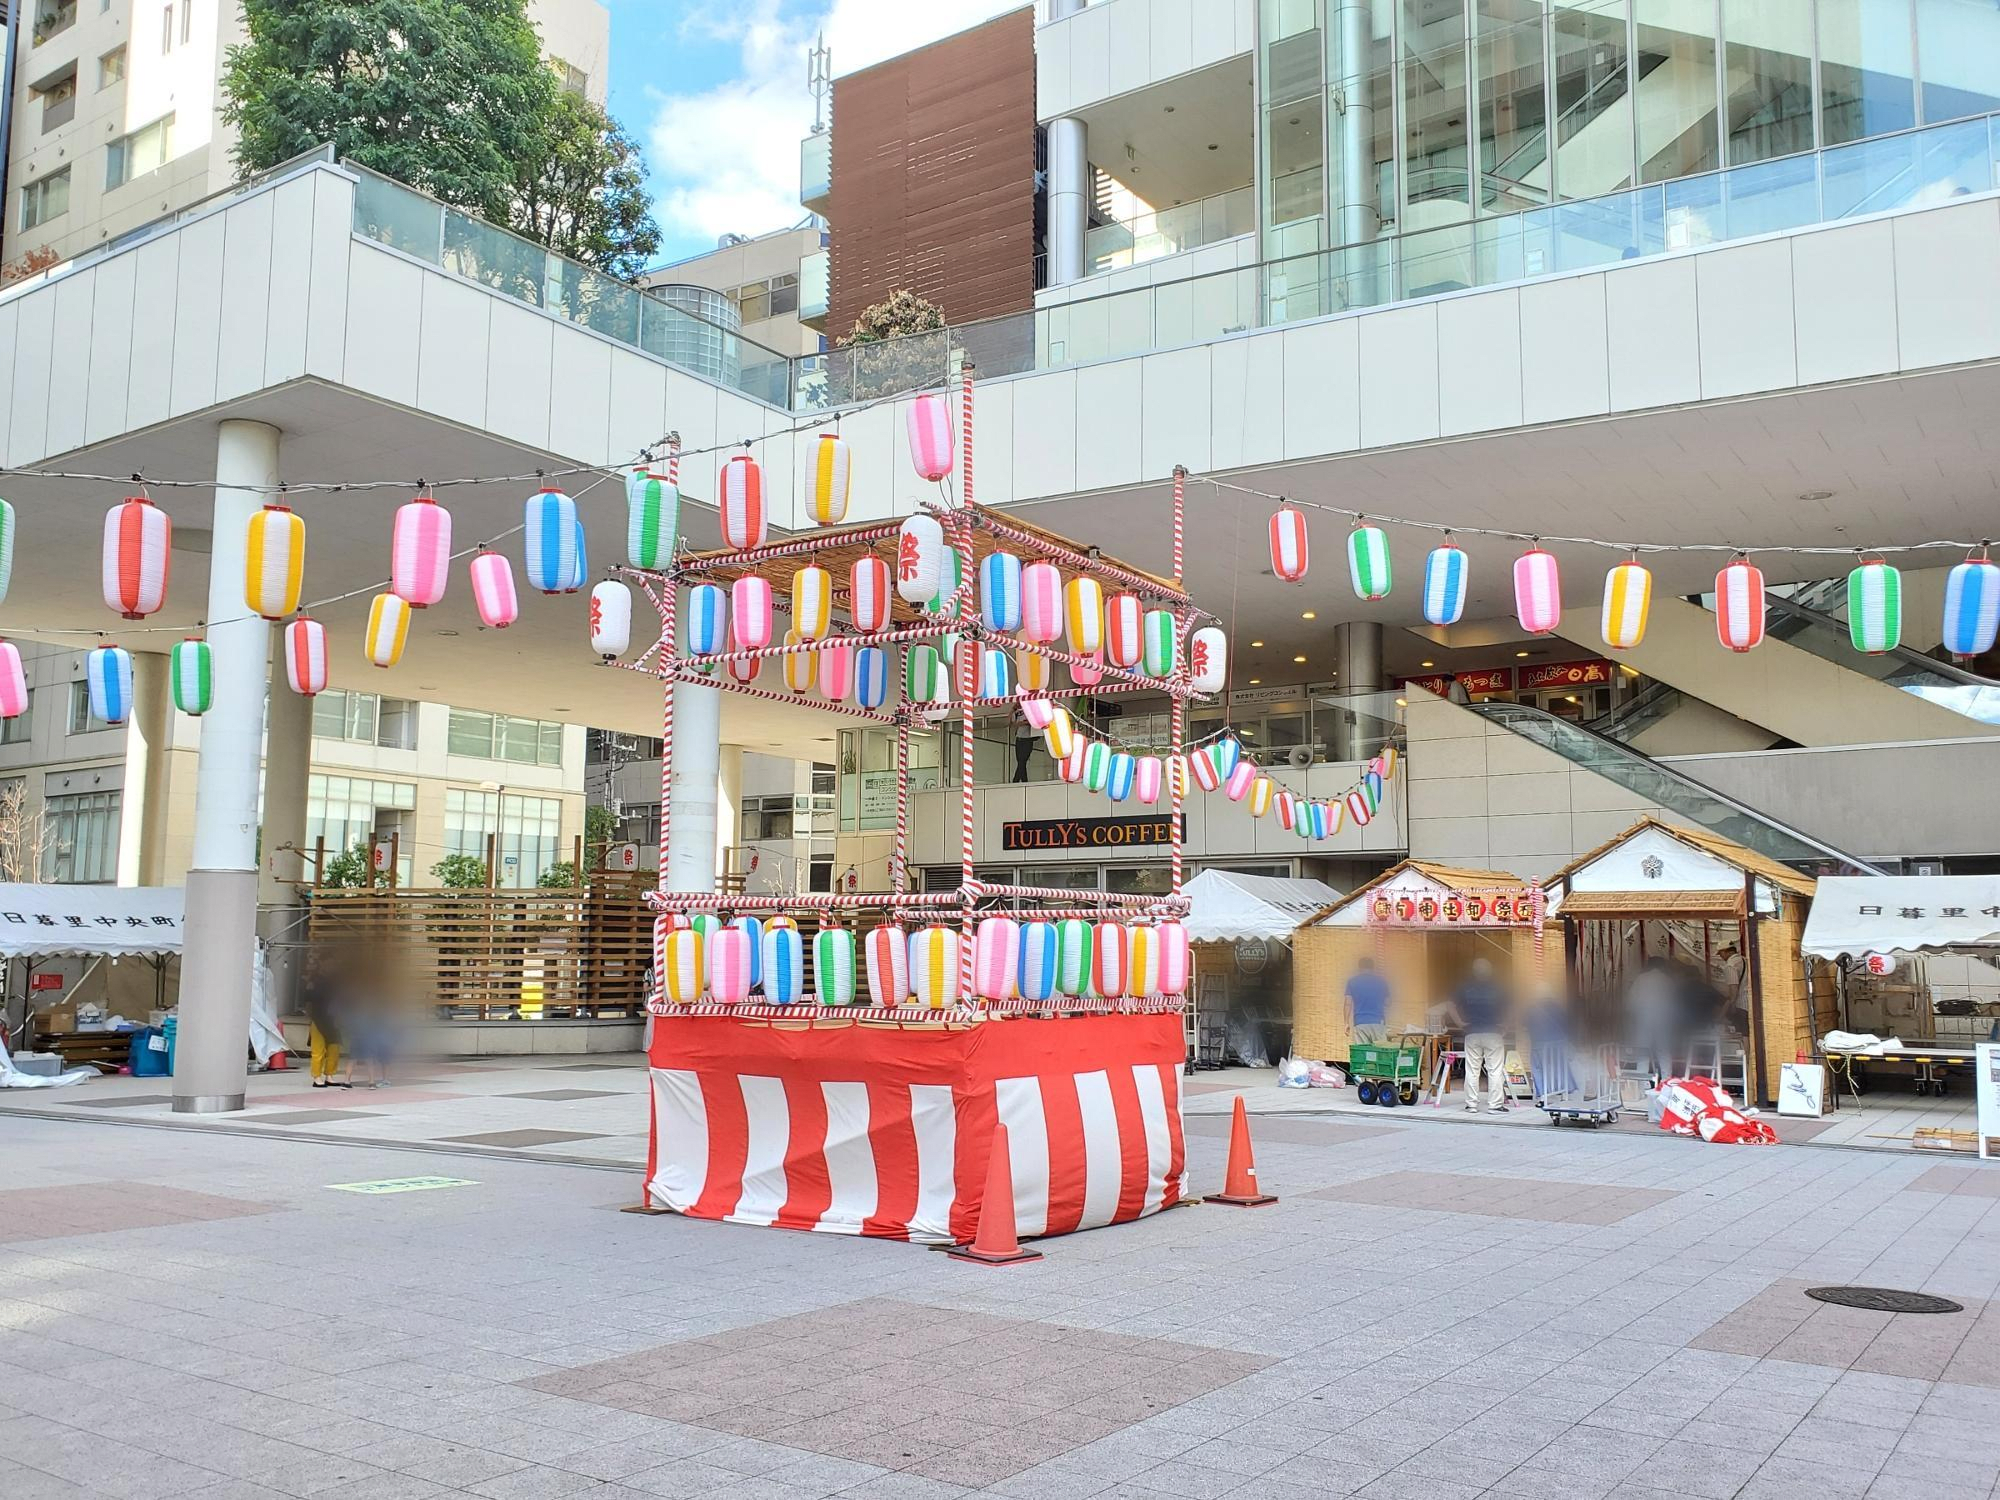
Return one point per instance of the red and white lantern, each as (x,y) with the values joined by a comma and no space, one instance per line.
(138,547)
(868,596)
(742,497)
(886,951)
(1288,544)
(1124,630)
(1107,959)
(1739,605)
(420,552)
(305,656)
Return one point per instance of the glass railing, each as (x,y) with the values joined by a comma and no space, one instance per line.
(815,285)
(1636,714)
(1169,231)
(1943,683)
(1645,777)
(815,168)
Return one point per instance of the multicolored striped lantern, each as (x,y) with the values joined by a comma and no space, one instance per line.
(1032,670)
(1146,779)
(741,496)
(1261,791)
(934,967)
(886,951)
(830,477)
(1087,670)
(1083,614)
(1041,602)
(996,957)
(753,931)
(1073,764)
(929,423)
(1972,606)
(108,671)
(388,629)
(1368,561)
(708,619)
(1119,777)
(1388,759)
(191,667)
(1000,591)
(652,518)
(1875,607)
(745,670)
(274,562)
(1142,961)
(833,966)
(868,596)
(1162,644)
(812,602)
(871,676)
(1371,788)
(1208,659)
(727,957)
(1073,945)
(1174,966)
(1035,966)
(784,966)
(801,667)
(610,619)
(707,923)
(420,552)
(1227,753)
(14,681)
(1124,630)
(1107,959)
(1202,765)
(1739,605)
(920,553)
(1358,810)
(493,590)
(946,603)
(1628,595)
(1059,735)
(1287,808)
(996,674)
(682,967)
(1288,544)
(1237,787)
(1538,603)
(549,531)
(750,612)
(305,656)
(6,548)
(1326,820)
(924,676)
(836,670)
(1037,712)
(138,552)
(1445,578)
(1096,766)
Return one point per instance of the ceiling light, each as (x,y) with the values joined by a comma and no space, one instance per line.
(1256,643)
(1255,681)
(1402,703)
(1520,653)
(1298,658)
(447,632)
(1427,664)
(1815,494)
(1309,615)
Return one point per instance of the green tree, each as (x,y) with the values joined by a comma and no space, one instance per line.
(460,872)
(353,868)
(598,827)
(559,876)
(582,191)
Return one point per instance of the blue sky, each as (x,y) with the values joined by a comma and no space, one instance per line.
(714,91)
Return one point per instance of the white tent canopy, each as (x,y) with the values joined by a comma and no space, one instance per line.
(50,921)
(1853,914)
(1225,908)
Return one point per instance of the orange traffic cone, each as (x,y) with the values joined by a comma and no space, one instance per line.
(1240,1186)
(996,1243)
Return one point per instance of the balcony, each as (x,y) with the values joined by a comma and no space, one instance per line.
(816,172)
(1170,231)
(814,285)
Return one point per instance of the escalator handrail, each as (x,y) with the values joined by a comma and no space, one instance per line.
(1905,654)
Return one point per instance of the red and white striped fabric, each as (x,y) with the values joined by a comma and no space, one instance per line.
(849,1131)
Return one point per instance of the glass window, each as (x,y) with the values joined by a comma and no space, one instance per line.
(1958,54)
(755,301)
(81,719)
(166,30)
(1675,95)
(1865,85)
(53,19)
(1436,183)
(19,729)
(45,198)
(1587,47)
(1513,120)
(187,21)
(526,830)
(1768,52)
(784,295)
(345,716)
(81,838)
(58,101)
(396,724)
(525,742)
(111,68)
(469,734)
(144,150)
(1294,138)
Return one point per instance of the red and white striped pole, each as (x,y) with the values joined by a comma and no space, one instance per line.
(669,657)
(968,692)
(1177,715)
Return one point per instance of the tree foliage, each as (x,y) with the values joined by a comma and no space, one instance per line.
(582,191)
(901,313)
(353,868)
(460,872)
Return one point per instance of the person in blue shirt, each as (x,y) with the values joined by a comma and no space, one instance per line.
(1367,1005)
(1480,1009)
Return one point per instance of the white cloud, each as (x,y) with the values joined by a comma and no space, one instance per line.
(726,160)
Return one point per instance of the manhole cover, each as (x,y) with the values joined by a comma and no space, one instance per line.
(1882,1299)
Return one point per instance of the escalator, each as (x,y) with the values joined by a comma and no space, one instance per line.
(1825,635)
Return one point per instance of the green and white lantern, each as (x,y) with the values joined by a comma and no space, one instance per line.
(1073,956)
(945,603)
(1368,561)
(1096,766)
(6,547)
(652,518)
(192,667)
(1161,649)
(924,678)
(1875,606)
(707,923)
(833,966)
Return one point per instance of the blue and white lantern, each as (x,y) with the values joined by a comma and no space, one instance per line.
(1118,781)
(1371,787)
(708,618)
(1000,591)
(1319,822)
(1035,976)
(109,670)
(784,965)
(871,677)
(1445,576)
(996,673)
(1225,753)
(1972,606)
(553,539)
(753,932)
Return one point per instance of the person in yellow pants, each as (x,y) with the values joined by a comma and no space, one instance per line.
(322,1011)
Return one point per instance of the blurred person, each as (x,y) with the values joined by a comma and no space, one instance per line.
(323,999)
(371,1026)
(1653,1015)
(1367,1005)
(1547,1023)
(1480,1010)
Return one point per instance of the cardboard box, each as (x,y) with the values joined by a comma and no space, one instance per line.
(56,1018)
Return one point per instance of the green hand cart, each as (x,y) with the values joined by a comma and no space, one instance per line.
(1387,1076)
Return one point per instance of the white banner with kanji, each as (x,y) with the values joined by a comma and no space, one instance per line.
(1856,914)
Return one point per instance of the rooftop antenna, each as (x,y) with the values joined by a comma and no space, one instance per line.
(819,80)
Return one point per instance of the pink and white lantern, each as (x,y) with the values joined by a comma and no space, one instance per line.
(493,590)
(1237,787)
(420,552)
(995,957)
(13,682)
(1146,779)
(836,670)
(727,958)
(1107,959)
(1041,602)
(750,612)
(1537,591)
(929,425)
(1173,958)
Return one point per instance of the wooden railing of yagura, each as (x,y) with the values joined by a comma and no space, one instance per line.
(490,953)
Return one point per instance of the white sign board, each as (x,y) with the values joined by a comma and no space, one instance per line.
(1902,914)
(1986,1079)
(621,857)
(1802,1089)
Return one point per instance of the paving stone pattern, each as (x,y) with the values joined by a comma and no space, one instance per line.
(1290,1132)
(1501,1197)
(560,1096)
(1969,1182)
(1781,1322)
(521,1138)
(45,1213)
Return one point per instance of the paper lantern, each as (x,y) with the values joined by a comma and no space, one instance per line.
(305,656)
(1324,825)
(1041,602)
(996,955)
(1237,787)
(1739,605)
(682,967)
(1878,964)
(830,476)
(1972,606)
(1035,965)
(1059,733)
(1260,796)
(707,923)
(996,677)
(1000,591)
(108,671)
(1119,776)
(745,669)
(868,597)
(1174,965)
(836,670)
(1208,659)
(1146,779)
(1537,591)
(920,553)
(812,602)
(1445,576)
(1073,944)
(1288,544)
(1158,657)
(1286,806)
(784,966)
(1371,788)
(493,590)
(1032,672)
(274,562)
(1628,594)
(420,552)
(886,951)
(1875,607)
(947,603)
(190,667)
(1227,753)
(1358,809)
(1087,670)
(801,667)
(871,676)
(6,547)
(753,932)
(138,549)
(741,496)
(727,958)
(1107,959)
(708,619)
(652,518)
(1142,961)
(1037,712)
(1096,766)
(549,532)
(750,612)
(14,682)
(1202,766)
(388,629)
(582,555)
(610,619)
(929,423)
(1076,762)
(1388,759)
(1124,631)
(923,676)
(833,966)
(934,967)
(1368,561)
(1083,615)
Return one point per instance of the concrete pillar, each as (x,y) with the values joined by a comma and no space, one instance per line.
(728,801)
(1357,656)
(1069,182)
(1355,217)
(219,939)
(287,766)
(691,798)
(142,816)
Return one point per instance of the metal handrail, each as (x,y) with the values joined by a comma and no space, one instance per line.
(1911,658)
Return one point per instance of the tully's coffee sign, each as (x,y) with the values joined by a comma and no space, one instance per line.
(1086,833)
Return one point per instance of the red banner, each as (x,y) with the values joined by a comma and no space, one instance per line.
(1595,672)
(1493,680)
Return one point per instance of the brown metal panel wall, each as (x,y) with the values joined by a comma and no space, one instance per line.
(933,183)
